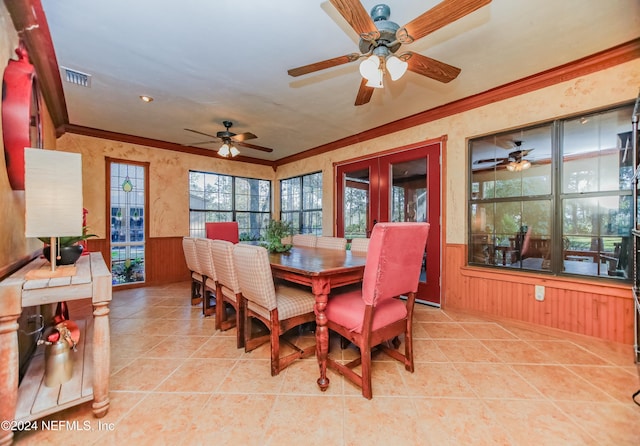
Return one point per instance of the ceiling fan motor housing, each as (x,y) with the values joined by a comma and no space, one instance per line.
(386,28)
(226,134)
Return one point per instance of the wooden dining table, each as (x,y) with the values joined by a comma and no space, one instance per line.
(322,270)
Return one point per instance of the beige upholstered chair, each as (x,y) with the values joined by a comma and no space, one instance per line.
(360,245)
(228,290)
(326,242)
(190,256)
(208,272)
(280,309)
(373,315)
(308,240)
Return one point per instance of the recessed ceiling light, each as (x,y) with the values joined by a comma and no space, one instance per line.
(146,98)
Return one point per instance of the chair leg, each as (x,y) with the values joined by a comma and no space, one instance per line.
(239,322)
(365,355)
(275,348)
(195,293)
(207,308)
(408,351)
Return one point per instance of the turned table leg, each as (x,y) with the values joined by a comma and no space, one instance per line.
(321,288)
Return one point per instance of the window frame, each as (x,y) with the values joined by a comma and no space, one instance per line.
(557,199)
(233,210)
(297,215)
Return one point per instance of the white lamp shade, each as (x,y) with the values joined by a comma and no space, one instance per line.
(234,151)
(224,150)
(376,80)
(370,67)
(53,193)
(396,67)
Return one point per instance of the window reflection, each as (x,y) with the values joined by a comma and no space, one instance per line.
(513,211)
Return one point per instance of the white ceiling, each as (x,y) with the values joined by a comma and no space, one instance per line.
(208,61)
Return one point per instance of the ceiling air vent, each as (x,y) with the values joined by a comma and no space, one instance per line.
(76,77)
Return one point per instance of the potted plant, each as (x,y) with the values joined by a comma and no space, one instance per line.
(69,251)
(275,231)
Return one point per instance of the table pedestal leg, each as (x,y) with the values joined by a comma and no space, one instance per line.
(321,291)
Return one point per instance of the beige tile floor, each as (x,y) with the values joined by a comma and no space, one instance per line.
(175,380)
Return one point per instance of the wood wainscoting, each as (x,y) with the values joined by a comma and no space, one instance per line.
(594,308)
(164,261)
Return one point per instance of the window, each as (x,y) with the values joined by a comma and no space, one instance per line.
(554,198)
(301,203)
(214,198)
(127,196)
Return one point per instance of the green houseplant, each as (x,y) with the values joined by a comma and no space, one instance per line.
(274,233)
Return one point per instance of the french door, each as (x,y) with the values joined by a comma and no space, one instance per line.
(399,186)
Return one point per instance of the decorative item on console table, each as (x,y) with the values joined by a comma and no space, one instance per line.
(275,232)
(69,251)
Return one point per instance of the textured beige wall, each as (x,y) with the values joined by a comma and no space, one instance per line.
(602,89)
(13,244)
(168,180)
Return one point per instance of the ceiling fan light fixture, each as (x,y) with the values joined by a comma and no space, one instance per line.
(233,151)
(370,67)
(376,81)
(517,166)
(224,150)
(396,67)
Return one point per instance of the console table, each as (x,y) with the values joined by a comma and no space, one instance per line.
(33,400)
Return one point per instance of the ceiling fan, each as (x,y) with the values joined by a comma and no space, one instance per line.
(381,38)
(514,161)
(229,141)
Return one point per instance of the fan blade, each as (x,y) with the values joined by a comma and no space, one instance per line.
(243,136)
(201,143)
(355,14)
(323,65)
(490,160)
(442,14)
(200,133)
(251,146)
(432,68)
(364,93)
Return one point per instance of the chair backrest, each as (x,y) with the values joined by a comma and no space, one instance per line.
(205,258)
(360,245)
(394,260)
(327,242)
(190,256)
(309,240)
(223,230)
(254,275)
(223,261)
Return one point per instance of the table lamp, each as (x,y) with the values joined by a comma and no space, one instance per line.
(53,195)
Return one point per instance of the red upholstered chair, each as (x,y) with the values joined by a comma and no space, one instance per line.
(372,315)
(223,230)
(190,256)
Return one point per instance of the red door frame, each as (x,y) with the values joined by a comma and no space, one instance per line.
(379,171)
